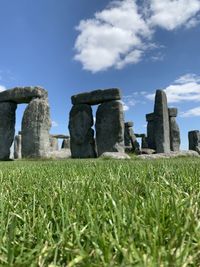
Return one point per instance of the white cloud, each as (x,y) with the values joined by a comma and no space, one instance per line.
(194,112)
(114,37)
(125,106)
(2,88)
(170,14)
(54,124)
(185,88)
(121,33)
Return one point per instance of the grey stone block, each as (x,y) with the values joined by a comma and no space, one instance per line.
(82,142)
(173,112)
(175,139)
(161,123)
(23,94)
(7,128)
(110,127)
(36,124)
(96,97)
(194,139)
(18,147)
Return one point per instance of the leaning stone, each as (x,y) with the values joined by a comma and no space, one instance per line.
(53,143)
(161,123)
(194,139)
(110,127)
(23,94)
(82,142)
(36,124)
(18,147)
(173,112)
(115,155)
(175,139)
(7,128)
(97,97)
(65,144)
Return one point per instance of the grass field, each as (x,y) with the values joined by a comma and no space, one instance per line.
(100,213)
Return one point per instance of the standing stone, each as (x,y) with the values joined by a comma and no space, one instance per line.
(110,127)
(53,143)
(66,143)
(175,139)
(36,124)
(194,140)
(7,128)
(150,131)
(18,147)
(130,140)
(144,143)
(161,123)
(81,134)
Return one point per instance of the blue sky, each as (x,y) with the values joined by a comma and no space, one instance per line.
(72,46)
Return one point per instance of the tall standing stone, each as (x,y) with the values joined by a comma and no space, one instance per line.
(110,127)
(194,140)
(81,134)
(175,139)
(36,124)
(130,140)
(18,147)
(7,128)
(150,131)
(161,123)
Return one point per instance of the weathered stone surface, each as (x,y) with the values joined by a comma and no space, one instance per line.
(144,142)
(60,154)
(194,139)
(53,143)
(173,112)
(175,139)
(147,151)
(66,144)
(150,117)
(18,147)
(36,124)
(82,142)
(7,128)
(115,155)
(23,94)
(60,136)
(172,154)
(130,141)
(150,131)
(110,127)
(161,123)
(97,96)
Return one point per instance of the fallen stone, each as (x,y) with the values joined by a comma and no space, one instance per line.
(115,155)
(23,94)
(18,147)
(60,154)
(110,127)
(96,97)
(147,151)
(82,142)
(161,123)
(7,128)
(186,153)
(36,124)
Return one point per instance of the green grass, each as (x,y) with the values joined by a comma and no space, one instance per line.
(100,213)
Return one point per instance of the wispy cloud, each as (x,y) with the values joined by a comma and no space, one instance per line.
(185,88)
(122,33)
(194,112)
